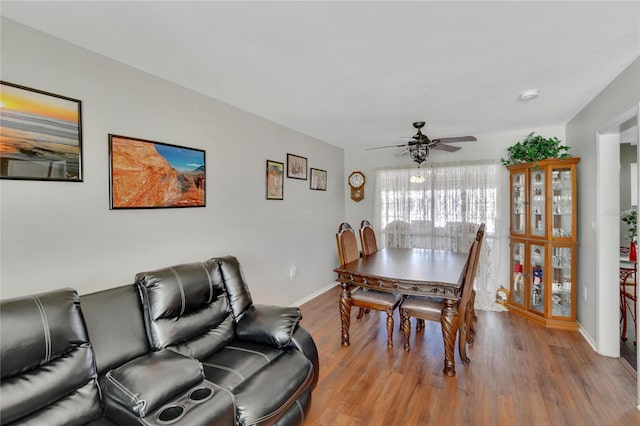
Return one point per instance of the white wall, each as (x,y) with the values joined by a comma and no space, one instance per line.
(488,146)
(597,318)
(56,234)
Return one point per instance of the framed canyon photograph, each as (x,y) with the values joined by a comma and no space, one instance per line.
(145,174)
(275,180)
(296,167)
(40,135)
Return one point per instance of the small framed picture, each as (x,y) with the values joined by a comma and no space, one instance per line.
(318,179)
(296,167)
(40,135)
(275,180)
(148,175)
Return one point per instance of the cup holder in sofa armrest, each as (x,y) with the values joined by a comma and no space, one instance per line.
(145,384)
(193,406)
(200,395)
(170,414)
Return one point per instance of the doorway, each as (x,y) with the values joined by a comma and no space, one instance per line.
(628,208)
(608,232)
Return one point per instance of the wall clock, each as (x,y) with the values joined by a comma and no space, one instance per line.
(356,182)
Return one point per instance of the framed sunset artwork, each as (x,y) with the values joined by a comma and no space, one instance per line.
(40,135)
(146,174)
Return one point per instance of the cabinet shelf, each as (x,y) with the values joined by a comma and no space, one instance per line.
(543,242)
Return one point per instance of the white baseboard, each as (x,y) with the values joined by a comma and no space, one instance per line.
(588,338)
(316,294)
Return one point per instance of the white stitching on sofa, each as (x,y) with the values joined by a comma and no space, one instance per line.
(295,395)
(46,328)
(250,351)
(180,286)
(124,389)
(233,397)
(222,367)
(206,271)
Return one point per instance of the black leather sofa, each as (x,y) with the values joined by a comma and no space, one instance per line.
(183,345)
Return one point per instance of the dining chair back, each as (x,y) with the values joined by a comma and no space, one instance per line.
(398,234)
(466,311)
(471,315)
(365,299)
(347,244)
(367,238)
(430,308)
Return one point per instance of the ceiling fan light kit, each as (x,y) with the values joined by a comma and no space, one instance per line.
(419,153)
(420,145)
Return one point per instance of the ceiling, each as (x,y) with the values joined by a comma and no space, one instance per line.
(357,74)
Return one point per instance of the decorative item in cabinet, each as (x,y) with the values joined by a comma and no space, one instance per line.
(517,284)
(518,206)
(544,241)
(537,278)
(562,285)
(537,202)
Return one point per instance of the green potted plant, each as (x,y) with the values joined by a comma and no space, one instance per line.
(534,148)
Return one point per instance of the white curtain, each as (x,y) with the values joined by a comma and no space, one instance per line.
(440,207)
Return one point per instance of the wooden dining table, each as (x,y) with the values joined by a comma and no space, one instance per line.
(419,272)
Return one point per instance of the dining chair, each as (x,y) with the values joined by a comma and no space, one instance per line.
(471,311)
(365,299)
(398,234)
(430,308)
(628,295)
(367,238)
(471,316)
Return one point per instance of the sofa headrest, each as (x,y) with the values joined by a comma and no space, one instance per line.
(115,323)
(236,285)
(37,329)
(186,308)
(181,289)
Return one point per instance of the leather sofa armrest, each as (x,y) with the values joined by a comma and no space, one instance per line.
(302,341)
(272,325)
(144,384)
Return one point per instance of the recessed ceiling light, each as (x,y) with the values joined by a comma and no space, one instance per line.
(529,94)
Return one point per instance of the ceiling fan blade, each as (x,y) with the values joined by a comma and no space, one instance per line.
(421,138)
(403,152)
(456,139)
(389,146)
(444,147)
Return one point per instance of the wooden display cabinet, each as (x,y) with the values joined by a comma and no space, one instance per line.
(544,242)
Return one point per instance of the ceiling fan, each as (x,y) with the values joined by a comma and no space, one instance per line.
(420,145)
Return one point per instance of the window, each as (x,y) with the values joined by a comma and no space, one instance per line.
(439,207)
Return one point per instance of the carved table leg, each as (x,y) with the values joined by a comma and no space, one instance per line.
(345,312)
(390,328)
(449,323)
(406,328)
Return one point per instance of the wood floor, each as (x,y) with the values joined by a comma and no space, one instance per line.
(520,374)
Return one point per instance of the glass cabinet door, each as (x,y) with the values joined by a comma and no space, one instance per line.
(537,202)
(517,256)
(518,198)
(537,289)
(561,300)
(562,207)
(543,241)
